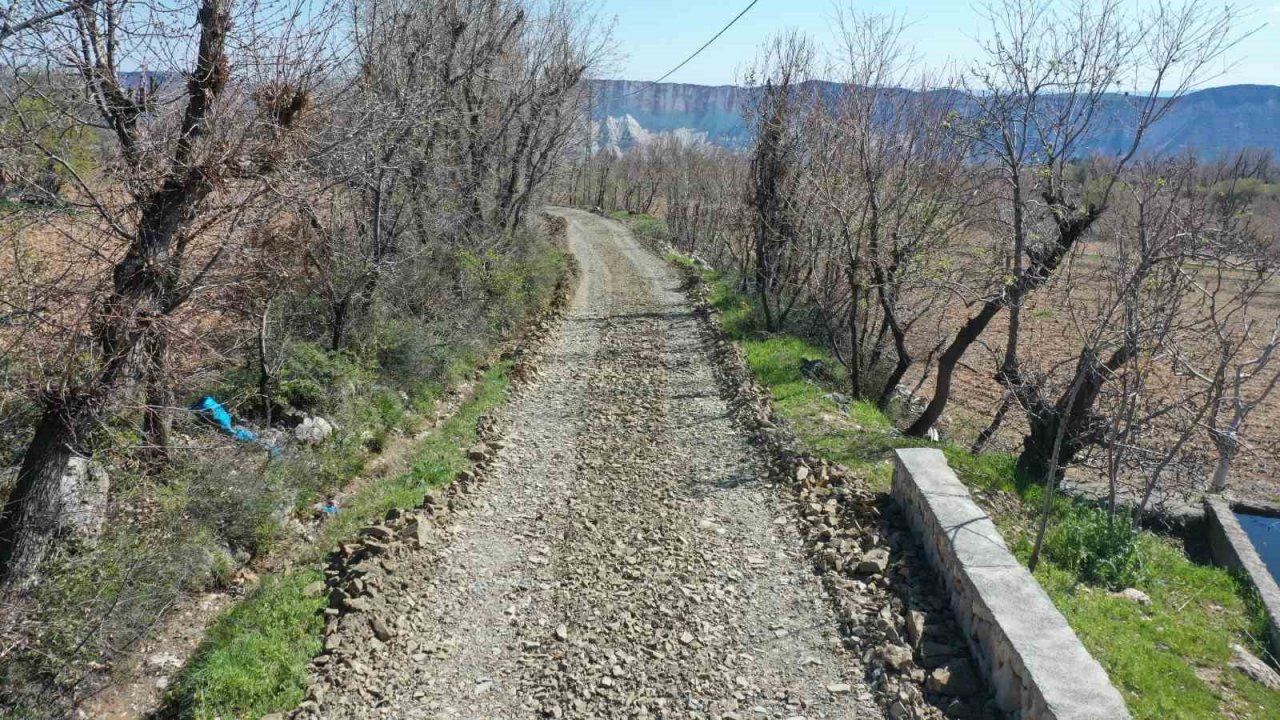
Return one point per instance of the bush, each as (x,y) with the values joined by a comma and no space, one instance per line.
(645,227)
(238,505)
(1097,547)
(410,356)
(313,379)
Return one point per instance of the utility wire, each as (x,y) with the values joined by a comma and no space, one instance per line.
(689,59)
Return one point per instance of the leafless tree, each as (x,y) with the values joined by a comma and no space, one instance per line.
(191,148)
(782,76)
(1050,81)
(1166,322)
(895,189)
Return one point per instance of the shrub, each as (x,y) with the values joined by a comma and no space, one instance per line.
(410,355)
(238,505)
(1097,547)
(312,378)
(645,227)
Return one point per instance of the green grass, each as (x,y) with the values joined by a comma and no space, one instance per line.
(1169,659)
(647,227)
(440,457)
(254,659)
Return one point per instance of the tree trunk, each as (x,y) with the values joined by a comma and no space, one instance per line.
(1071,416)
(1071,226)
(989,432)
(158,418)
(33,514)
(966,336)
(1222,472)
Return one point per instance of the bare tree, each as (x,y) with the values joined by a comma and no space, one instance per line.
(782,75)
(185,175)
(895,190)
(1049,83)
(1164,324)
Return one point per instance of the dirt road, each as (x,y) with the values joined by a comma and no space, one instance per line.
(623,558)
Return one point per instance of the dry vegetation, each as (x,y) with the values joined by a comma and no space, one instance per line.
(322,215)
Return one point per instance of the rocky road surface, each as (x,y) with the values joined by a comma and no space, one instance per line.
(624,555)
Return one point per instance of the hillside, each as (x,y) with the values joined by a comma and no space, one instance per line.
(1209,122)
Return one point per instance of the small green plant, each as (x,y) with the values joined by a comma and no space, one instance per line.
(645,227)
(1099,548)
(311,377)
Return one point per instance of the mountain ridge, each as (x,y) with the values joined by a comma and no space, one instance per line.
(1209,122)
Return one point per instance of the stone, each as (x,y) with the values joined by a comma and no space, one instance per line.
(1249,664)
(164,660)
(915,627)
(315,589)
(896,657)
(1133,595)
(955,678)
(830,560)
(381,532)
(417,532)
(873,562)
(380,629)
(562,632)
(933,654)
(313,430)
(478,452)
(839,688)
(356,604)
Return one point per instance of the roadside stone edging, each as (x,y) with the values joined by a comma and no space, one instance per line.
(890,605)
(1023,645)
(1232,548)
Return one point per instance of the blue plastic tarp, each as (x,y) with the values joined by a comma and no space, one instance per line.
(212,409)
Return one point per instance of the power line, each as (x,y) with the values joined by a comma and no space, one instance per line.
(687,60)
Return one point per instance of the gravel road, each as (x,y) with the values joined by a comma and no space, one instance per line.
(623,556)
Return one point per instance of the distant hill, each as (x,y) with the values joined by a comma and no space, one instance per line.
(1209,122)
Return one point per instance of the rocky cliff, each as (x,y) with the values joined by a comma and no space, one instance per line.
(1208,122)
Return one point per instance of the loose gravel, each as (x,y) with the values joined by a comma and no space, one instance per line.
(622,555)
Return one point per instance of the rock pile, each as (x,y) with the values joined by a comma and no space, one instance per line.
(891,606)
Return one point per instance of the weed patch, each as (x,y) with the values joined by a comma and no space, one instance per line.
(254,660)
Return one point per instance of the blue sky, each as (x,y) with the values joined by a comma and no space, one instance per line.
(655,35)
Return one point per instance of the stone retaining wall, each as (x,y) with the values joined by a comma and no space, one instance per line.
(1022,644)
(1232,548)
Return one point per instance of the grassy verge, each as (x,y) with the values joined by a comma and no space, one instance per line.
(1170,659)
(254,659)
